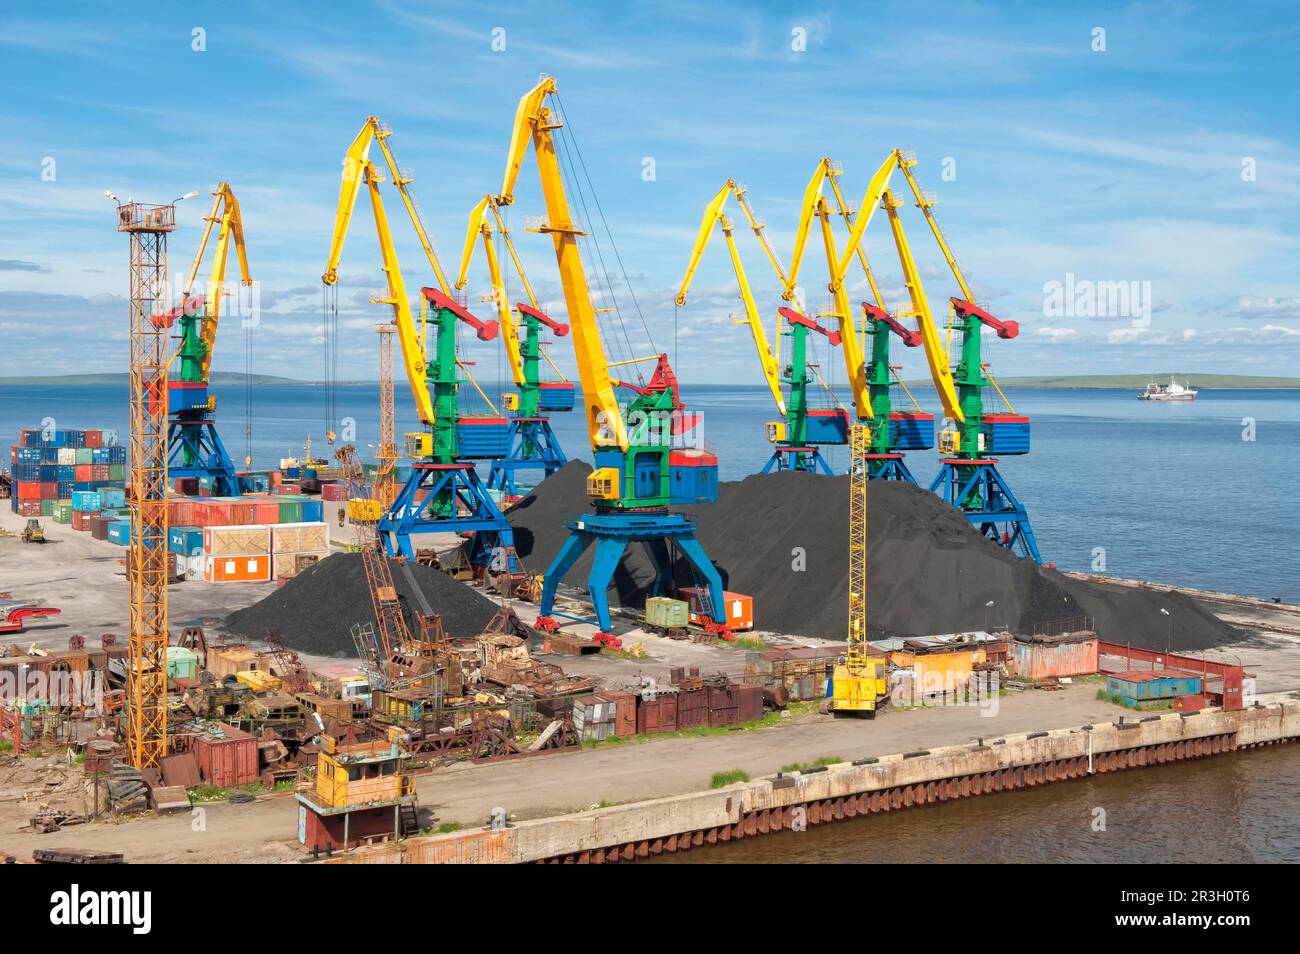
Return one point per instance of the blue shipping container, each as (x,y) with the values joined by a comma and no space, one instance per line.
(313,511)
(185,540)
(112,497)
(87,501)
(696,483)
(119,532)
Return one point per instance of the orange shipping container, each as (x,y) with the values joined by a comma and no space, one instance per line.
(252,568)
(228,760)
(740,608)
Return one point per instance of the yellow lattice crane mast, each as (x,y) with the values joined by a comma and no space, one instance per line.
(147,567)
(860,683)
(385,483)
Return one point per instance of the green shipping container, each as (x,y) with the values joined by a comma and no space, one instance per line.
(47,507)
(63,512)
(665,612)
(116,472)
(290,511)
(85,455)
(182,663)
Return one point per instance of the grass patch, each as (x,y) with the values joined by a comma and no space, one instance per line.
(1104,696)
(729,777)
(769,719)
(209,793)
(6,746)
(625,653)
(815,763)
(446,828)
(748,642)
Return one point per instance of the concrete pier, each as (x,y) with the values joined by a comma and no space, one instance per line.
(848,790)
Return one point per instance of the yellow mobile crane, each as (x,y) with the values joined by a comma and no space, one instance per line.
(860,681)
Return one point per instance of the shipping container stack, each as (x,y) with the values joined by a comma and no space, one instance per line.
(52,467)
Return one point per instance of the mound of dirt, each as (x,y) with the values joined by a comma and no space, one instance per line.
(782,538)
(317,609)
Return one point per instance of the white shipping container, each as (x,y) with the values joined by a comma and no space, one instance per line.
(237,541)
(67,456)
(299,537)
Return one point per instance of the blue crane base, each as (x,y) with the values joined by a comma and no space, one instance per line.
(977,489)
(612,532)
(194,449)
(888,467)
(475,511)
(803,457)
(533,447)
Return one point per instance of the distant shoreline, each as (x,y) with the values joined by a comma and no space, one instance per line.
(1095,382)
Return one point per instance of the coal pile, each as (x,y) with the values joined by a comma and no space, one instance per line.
(317,609)
(783,539)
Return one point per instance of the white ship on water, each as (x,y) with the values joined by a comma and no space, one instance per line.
(1173,391)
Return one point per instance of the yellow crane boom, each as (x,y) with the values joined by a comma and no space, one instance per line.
(535,123)
(225,210)
(714,215)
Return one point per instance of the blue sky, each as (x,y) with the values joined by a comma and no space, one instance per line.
(1118,165)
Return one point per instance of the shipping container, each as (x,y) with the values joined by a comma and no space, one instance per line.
(247,568)
(236,540)
(186,541)
(692,708)
(1051,657)
(1147,688)
(293,537)
(182,663)
(657,714)
(666,612)
(229,759)
(739,608)
(286,566)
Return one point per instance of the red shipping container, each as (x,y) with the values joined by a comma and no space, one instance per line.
(229,761)
(692,708)
(94,438)
(80,519)
(334,491)
(29,491)
(84,473)
(100,472)
(180,512)
(243,514)
(268,511)
(187,485)
(658,714)
(749,700)
(29,508)
(739,608)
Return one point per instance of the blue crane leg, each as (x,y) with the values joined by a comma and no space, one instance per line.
(695,553)
(562,564)
(608,552)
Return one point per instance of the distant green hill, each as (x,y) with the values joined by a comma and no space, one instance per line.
(121,377)
(1139,381)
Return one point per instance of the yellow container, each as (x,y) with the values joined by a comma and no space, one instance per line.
(363,508)
(258,681)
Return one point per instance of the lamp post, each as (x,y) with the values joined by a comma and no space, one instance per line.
(1169,631)
(986,615)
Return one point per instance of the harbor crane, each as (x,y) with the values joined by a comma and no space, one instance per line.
(968,478)
(444,492)
(194,448)
(534,445)
(797,436)
(638,474)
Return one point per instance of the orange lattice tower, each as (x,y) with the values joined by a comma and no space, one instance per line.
(147,569)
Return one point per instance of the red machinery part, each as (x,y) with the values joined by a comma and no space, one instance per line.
(910,338)
(15,618)
(486,330)
(1005,329)
(559,327)
(798,318)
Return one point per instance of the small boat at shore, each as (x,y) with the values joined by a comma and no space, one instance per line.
(1173,391)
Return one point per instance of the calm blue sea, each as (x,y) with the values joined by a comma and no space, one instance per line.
(1165,492)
